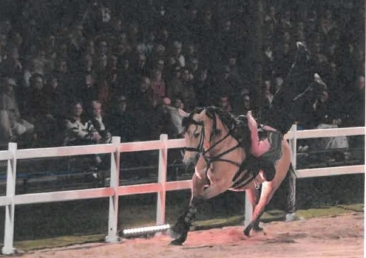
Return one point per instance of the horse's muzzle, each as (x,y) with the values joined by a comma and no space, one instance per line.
(191,160)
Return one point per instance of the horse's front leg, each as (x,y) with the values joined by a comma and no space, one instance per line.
(184,221)
(180,229)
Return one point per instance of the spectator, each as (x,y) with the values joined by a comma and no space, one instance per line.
(142,106)
(157,85)
(13,124)
(97,120)
(79,131)
(187,92)
(355,104)
(56,109)
(37,112)
(175,84)
(87,91)
(224,103)
(12,65)
(202,86)
(121,119)
(176,119)
(245,104)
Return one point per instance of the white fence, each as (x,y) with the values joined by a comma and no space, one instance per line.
(12,155)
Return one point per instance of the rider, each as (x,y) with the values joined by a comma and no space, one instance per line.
(268,149)
(284,110)
(300,84)
(260,147)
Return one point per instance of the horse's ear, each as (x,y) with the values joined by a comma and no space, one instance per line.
(201,115)
(182,113)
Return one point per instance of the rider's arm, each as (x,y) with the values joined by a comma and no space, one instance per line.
(258,147)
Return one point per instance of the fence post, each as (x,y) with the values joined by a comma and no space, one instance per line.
(163,164)
(113,200)
(9,209)
(248,212)
(293,144)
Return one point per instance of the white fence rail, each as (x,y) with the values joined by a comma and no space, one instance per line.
(12,155)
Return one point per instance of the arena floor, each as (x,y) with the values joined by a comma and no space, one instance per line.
(336,236)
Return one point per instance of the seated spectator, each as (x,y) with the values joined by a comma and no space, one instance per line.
(328,143)
(173,107)
(157,85)
(87,91)
(80,131)
(36,109)
(55,110)
(121,120)
(245,104)
(224,103)
(13,125)
(98,123)
(173,120)
(354,107)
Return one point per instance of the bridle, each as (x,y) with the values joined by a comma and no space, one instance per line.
(200,149)
(243,166)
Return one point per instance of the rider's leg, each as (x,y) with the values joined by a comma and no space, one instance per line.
(258,148)
(284,111)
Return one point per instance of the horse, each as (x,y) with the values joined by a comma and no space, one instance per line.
(218,144)
(223,157)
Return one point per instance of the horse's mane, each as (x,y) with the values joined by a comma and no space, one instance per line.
(226,118)
(237,126)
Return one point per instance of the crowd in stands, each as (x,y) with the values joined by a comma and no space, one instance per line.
(123,68)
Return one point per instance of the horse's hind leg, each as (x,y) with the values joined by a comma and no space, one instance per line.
(253,196)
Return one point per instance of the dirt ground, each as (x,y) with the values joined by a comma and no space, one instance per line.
(337,236)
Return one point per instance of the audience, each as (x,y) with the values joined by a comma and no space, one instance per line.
(139,68)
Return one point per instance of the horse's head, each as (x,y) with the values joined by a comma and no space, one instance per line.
(203,131)
(194,134)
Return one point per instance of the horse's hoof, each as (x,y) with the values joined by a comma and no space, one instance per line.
(257,228)
(180,240)
(247,229)
(173,234)
(247,233)
(176,242)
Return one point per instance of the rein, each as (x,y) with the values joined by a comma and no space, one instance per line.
(245,165)
(200,150)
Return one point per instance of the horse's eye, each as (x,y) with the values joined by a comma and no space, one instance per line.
(196,135)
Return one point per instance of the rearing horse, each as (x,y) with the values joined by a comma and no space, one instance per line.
(220,149)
